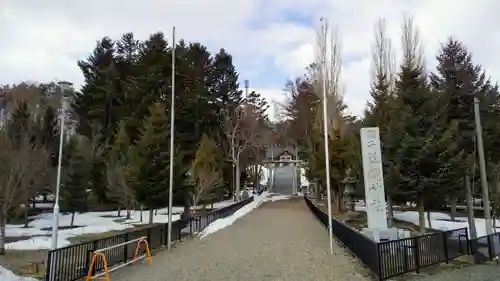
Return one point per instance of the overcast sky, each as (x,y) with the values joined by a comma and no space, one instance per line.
(271,40)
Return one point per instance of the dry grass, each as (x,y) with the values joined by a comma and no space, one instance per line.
(25,263)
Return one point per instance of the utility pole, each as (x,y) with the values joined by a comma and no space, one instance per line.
(482,169)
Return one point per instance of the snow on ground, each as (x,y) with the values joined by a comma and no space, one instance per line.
(225,222)
(265,175)
(7,275)
(439,220)
(303,178)
(39,230)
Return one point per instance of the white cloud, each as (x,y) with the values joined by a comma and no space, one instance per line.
(41,40)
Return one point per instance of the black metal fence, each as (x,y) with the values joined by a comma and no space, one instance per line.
(72,262)
(486,248)
(392,258)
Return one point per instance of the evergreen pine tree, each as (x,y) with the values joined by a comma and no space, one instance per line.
(457,81)
(416,153)
(49,134)
(153,179)
(21,119)
(76,179)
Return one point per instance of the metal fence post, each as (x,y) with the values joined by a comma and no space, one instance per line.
(49,265)
(125,249)
(490,246)
(417,255)
(467,241)
(379,263)
(148,235)
(445,246)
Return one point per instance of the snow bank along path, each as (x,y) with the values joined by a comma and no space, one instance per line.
(225,222)
(281,240)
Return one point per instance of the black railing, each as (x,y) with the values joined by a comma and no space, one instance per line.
(405,255)
(396,257)
(72,262)
(485,248)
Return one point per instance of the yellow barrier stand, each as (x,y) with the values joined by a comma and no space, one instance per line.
(148,252)
(93,263)
(100,254)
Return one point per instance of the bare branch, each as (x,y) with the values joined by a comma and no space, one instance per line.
(327,67)
(413,51)
(383,61)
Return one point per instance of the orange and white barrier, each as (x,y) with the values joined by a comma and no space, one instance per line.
(100,256)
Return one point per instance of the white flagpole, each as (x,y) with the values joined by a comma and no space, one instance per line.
(325,125)
(172,124)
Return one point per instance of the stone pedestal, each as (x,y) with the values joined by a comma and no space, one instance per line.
(388,234)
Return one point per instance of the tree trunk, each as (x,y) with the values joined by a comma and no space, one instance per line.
(142,210)
(235,163)
(496,197)
(119,211)
(429,219)
(390,212)
(341,201)
(421,215)
(256,182)
(470,207)
(317,194)
(453,207)
(72,219)
(238,175)
(3,222)
(128,214)
(151,213)
(25,211)
(335,200)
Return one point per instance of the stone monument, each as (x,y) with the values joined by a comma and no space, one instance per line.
(376,208)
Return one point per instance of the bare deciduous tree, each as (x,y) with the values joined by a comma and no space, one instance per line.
(383,61)
(327,67)
(413,51)
(21,159)
(240,126)
(120,178)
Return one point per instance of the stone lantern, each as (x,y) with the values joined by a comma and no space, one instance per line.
(349,190)
(189,182)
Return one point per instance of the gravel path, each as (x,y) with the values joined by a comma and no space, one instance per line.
(279,241)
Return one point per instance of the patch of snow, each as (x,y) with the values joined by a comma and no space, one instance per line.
(7,275)
(438,223)
(303,179)
(225,222)
(274,198)
(40,229)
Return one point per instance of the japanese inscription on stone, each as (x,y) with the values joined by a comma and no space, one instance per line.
(373,178)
